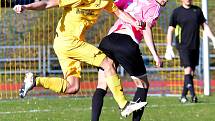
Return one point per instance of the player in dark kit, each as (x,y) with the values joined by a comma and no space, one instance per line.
(186,21)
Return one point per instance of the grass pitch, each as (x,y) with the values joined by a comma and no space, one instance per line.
(79,109)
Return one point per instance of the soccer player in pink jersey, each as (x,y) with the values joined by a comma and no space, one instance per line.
(122,46)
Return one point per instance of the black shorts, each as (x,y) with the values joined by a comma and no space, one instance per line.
(124,51)
(189,57)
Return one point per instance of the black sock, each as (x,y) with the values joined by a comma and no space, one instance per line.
(140,95)
(190,84)
(185,89)
(97,103)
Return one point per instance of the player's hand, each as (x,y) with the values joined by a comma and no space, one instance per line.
(169,55)
(140,25)
(18,8)
(158,61)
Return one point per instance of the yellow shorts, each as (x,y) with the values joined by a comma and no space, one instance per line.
(71,52)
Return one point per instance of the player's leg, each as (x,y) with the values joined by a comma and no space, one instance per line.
(195,62)
(98,58)
(69,84)
(98,96)
(79,50)
(189,59)
(111,77)
(114,82)
(71,69)
(140,95)
(115,48)
(188,79)
(188,82)
(127,109)
(184,59)
(133,63)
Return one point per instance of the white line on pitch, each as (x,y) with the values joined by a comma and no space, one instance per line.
(29,111)
(113,108)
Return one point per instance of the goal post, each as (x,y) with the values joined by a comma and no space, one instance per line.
(205,49)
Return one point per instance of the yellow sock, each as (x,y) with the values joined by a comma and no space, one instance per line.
(53,83)
(115,87)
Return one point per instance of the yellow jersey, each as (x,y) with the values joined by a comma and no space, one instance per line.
(79,15)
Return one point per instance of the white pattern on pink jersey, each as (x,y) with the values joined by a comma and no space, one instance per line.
(142,10)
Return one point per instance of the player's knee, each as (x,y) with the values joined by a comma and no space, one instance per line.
(146,83)
(141,81)
(72,89)
(73,85)
(107,64)
(102,85)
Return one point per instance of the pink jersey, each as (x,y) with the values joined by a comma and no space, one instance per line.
(143,10)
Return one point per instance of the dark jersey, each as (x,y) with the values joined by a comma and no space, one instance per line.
(189,21)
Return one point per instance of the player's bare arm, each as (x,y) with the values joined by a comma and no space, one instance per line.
(209,33)
(169,54)
(170,33)
(41,5)
(150,43)
(129,19)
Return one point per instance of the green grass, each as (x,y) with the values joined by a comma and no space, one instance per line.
(79,109)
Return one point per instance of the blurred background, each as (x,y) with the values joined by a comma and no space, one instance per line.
(26,45)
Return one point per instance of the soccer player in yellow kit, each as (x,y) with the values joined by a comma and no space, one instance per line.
(71,49)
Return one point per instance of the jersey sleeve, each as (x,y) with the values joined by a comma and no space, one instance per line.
(111,7)
(201,18)
(173,19)
(69,2)
(120,3)
(152,15)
